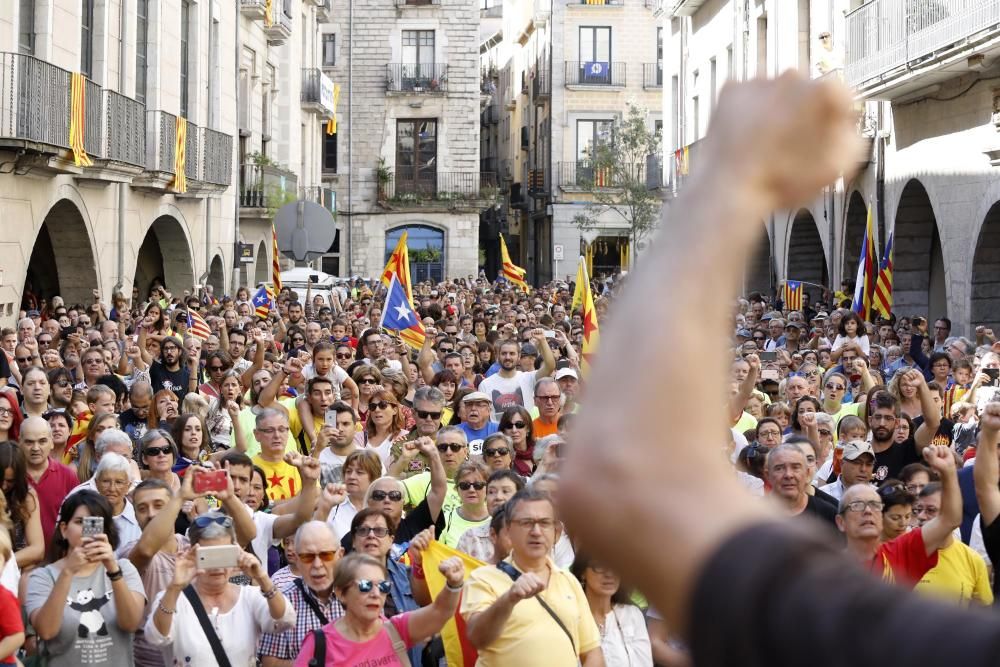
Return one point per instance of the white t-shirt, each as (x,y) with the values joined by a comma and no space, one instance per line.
(265,533)
(860,340)
(625,642)
(336,375)
(507,392)
(331,464)
(340,518)
(383,448)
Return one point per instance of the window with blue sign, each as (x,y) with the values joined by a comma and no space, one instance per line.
(595,54)
(426,249)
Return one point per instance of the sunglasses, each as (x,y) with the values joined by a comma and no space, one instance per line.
(380,405)
(367,381)
(366,586)
(446,350)
(394,496)
(346,355)
(204,521)
(455,449)
(216,368)
(517,425)
(157,451)
(424,414)
(834,387)
(499,451)
(25,360)
(325,556)
(365,531)
(465,486)
(63,383)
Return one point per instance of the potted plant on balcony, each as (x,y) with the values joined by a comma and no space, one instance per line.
(382,176)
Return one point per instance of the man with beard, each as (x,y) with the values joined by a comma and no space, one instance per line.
(335,442)
(884,414)
(168,372)
(510,387)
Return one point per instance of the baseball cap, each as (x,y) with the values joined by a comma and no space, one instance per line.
(793,324)
(743,333)
(33,313)
(855,449)
(821,315)
(528,349)
(566,373)
(476,396)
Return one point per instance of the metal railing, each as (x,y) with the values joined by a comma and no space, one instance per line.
(217,157)
(322,195)
(417,3)
(883,35)
(416,77)
(615,3)
(252,193)
(488,165)
(161,139)
(192,152)
(652,75)
(35,104)
(312,89)
(584,175)
(541,85)
(491,114)
(595,73)
(124,129)
(416,185)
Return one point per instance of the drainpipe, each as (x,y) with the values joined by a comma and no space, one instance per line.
(350,138)
(120,282)
(237,169)
(208,123)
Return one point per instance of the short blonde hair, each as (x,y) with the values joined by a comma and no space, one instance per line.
(6,547)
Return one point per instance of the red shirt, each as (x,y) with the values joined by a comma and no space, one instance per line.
(10,619)
(903,560)
(53,486)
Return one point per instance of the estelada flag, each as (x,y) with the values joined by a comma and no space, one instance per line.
(399,263)
(793,295)
(197,326)
(457,647)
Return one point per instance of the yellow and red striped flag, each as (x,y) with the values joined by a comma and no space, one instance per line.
(457,648)
(268,13)
(793,295)
(78,102)
(180,156)
(591,330)
(399,266)
(275,262)
(882,298)
(509,270)
(197,326)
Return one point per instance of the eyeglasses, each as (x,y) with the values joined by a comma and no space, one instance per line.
(424,414)
(930,511)
(368,381)
(44,343)
(366,586)
(860,505)
(445,446)
(547,399)
(380,405)
(365,531)
(394,496)
(834,387)
(465,486)
(517,425)
(63,383)
(307,558)
(529,524)
(825,433)
(499,451)
(344,355)
(204,521)
(157,451)
(446,350)
(6,412)
(280,430)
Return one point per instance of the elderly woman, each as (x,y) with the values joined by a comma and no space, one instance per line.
(113,481)
(548,454)
(239,614)
(362,585)
(470,481)
(86,601)
(498,451)
(158,453)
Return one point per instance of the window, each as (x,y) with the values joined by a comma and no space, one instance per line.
(26,30)
(141,48)
(416,156)
(329,152)
(730,63)
(589,135)
(713,83)
(426,245)
(595,55)
(418,59)
(87,38)
(674,93)
(329,49)
(659,56)
(185,60)
(695,124)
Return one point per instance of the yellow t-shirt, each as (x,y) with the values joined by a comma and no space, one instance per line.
(248,420)
(960,576)
(746,422)
(455,527)
(283,481)
(418,486)
(847,409)
(530,636)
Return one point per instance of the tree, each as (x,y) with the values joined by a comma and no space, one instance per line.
(616,176)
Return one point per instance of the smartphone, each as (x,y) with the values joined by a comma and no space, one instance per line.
(769,374)
(330,419)
(210,481)
(994,374)
(93,526)
(214,558)
(768,356)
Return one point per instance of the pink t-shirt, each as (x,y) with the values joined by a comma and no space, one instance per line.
(342,652)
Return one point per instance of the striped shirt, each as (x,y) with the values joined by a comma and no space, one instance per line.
(286,645)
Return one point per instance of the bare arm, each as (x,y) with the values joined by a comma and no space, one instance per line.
(938,530)
(483,628)
(738,402)
(548,359)
(307,499)
(592,658)
(425,359)
(986,471)
(34,552)
(48,619)
(932,413)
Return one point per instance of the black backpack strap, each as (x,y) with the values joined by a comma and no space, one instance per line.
(213,639)
(312,603)
(515,574)
(319,649)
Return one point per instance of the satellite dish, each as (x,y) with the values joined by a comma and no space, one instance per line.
(305,230)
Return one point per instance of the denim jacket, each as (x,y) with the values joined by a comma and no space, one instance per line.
(402,597)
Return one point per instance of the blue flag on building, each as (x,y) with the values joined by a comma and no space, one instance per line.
(397,314)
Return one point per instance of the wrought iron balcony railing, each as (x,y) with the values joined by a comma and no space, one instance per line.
(416,77)
(595,73)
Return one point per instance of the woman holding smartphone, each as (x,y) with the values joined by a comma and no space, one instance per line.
(85,602)
(238,615)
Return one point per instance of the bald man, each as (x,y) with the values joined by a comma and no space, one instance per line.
(51,480)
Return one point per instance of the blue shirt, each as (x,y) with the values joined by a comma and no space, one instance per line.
(476,437)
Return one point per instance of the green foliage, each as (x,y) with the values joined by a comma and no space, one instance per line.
(425,256)
(276,198)
(617,177)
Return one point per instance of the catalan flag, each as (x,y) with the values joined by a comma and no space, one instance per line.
(591,330)
(509,270)
(793,295)
(275,262)
(458,650)
(865,285)
(331,124)
(78,103)
(882,299)
(399,264)
(179,184)
(197,326)
(399,316)
(262,302)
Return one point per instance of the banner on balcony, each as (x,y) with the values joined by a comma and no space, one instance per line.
(180,157)
(78,99)
(331,125)
(268,13)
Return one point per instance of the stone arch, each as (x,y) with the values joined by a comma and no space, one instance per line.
(758,275)
(918,264)
(422,237)
(63,260)
(262,265)
(985,293)
(805,259)
(164,258)
(217,275)
(855,222)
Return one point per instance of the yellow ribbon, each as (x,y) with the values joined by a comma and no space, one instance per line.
(331,124)
(180,157)
(78,98)
(268,11)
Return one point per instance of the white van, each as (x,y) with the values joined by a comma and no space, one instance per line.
(298,280)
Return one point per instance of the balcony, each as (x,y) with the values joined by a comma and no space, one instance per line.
(263,187)
(490,9)
(491,114)
(124,132)
(680,164)
(686,7)
(425,188)
(161,139)
(536,183)
(488,165)
(599,3)
(654,171)
(324,11)
(594,75)
(656,6)
(402,4)
(416,78)
(324,196)
(541,85)
(281,23)
(254,9)
(652,76)
(317,92)
(898,47)
(217,158)
(583,176)
(35,109)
